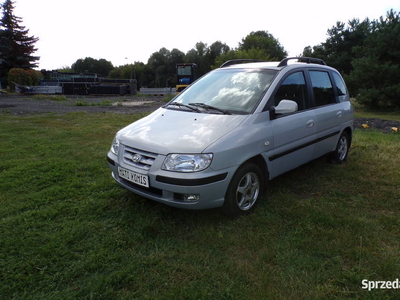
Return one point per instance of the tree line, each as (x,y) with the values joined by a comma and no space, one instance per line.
(367,53)
(159,71)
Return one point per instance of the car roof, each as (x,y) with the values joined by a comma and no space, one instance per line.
(255,65)
(278,65)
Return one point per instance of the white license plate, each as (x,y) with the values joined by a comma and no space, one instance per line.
(134,177)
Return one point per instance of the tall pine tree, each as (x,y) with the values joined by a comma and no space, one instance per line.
(16,46)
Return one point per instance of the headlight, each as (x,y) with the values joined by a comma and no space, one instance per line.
(187,162)
(115,146)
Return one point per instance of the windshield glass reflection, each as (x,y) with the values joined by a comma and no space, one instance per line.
(235,90)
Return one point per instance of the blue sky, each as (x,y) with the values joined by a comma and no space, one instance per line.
(124,31)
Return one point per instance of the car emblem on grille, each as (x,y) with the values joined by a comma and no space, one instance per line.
(136,158)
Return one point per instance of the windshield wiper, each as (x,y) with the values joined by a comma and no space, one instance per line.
(183,105)
(208,107)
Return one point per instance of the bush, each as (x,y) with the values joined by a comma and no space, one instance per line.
(386,97)
(23,77)
(377,82)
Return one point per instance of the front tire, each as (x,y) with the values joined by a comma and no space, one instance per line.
(244,191)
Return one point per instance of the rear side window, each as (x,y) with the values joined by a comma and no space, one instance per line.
(340,86)
(322,88)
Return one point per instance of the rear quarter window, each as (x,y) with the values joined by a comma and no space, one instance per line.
(340,85)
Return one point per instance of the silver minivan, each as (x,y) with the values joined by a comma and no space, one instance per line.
(219,142)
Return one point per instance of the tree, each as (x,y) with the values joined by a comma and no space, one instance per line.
(160,71)
(101,66)
(217,49)
(131,71)
(158,64)
(16,46)
(367,53)
(376,71)
(253,53)
(199,56)
(338,49)
(205,57)
(264,41)
(66,69)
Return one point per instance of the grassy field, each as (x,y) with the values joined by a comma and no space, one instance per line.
(68,231)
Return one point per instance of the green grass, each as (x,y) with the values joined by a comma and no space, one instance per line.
(168,98)
(68,231)
(101,103)
(50,97)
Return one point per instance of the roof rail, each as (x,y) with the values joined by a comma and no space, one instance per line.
(238,61)
(308,60)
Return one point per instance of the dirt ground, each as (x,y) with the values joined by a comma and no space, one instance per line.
(385,126)
(26,104)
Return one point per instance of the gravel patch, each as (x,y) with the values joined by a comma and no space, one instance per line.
(27,104)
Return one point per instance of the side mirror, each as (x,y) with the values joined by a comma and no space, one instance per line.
(286,107)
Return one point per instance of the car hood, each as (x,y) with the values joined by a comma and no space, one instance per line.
(171,131)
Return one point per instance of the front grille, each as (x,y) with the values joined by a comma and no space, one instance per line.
(138,158)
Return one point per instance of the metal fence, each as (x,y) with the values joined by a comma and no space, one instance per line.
(158,91)
(40,90)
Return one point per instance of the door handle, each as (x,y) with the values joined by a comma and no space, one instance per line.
(310,123)
(339,114)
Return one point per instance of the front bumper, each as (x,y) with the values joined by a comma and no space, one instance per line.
(172,188)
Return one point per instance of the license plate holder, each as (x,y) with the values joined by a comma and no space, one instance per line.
(136,178)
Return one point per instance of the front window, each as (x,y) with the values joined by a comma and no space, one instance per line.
(233,90)
(293,88)
(184,70)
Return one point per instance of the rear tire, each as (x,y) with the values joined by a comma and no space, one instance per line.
(244,191)
(342,149)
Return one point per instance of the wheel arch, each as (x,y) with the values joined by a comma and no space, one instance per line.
(350,134)
(235,207)
(259,161)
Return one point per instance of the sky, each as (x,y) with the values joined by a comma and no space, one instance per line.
(125,31)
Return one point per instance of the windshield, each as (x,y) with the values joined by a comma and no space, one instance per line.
(234,90)
(184,70)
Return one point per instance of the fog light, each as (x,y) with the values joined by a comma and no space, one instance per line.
(191,198)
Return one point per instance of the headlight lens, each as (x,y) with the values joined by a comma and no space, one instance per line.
(115,146)
(187,162)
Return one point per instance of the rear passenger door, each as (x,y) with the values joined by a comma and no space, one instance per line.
(328,111)
(294,133)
